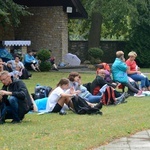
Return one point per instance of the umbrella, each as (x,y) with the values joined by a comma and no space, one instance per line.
(72,59)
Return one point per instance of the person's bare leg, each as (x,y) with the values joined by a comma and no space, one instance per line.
(55,67)
(35,109)
(65,100)
(33,67)
(37,67)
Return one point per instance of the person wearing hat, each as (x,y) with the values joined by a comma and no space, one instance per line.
(135,73)
(119,72)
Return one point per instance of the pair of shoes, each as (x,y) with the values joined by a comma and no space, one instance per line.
(56,69)
(120,102)
(15,121)
(139,94)
(62,113)
(99,113)
(120,99)
(99,105)
(126,95)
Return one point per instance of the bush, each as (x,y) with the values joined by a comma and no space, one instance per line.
(95,52)
(45,65)
(43,54)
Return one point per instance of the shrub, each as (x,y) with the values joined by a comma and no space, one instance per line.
(45,65)
(43,54)
(95,54)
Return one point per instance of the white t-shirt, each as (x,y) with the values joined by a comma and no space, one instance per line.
(53,98)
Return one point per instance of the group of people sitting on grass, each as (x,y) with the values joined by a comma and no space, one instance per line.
(15,100)
(127,72)
(15,67)
(20,68)
(59,99)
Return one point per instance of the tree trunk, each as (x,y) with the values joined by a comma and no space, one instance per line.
(95,31)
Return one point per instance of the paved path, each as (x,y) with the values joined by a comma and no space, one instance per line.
(138,141)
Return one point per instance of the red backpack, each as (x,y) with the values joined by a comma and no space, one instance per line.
(108,97)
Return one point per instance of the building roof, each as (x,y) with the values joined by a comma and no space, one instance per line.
(74,8)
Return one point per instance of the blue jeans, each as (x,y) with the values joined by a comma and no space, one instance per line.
(12,109)
(93,98)
(3,110)
(138,77)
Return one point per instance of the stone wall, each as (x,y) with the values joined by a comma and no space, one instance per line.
(7,33)
(47,28)
(80,48)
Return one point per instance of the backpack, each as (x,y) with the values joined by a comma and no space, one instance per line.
(41,92)
(108,97)
(81,106)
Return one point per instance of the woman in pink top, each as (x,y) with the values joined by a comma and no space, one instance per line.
(135,73)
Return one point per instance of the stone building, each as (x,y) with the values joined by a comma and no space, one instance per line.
(47,28)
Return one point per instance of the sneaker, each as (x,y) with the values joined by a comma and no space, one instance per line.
(99,105)
(99,113)
(62,113)
(126,95)
(139,94)
(120,99)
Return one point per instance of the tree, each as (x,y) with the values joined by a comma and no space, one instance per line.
(10,13)
(139,39)
(117,17)
(120,20)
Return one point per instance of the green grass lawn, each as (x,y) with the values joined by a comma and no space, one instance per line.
(72,131)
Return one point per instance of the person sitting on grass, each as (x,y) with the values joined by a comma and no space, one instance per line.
(99,82)
(17,73)
(84,93)
(58,99)
(30,62)
(3,66)
(16,98)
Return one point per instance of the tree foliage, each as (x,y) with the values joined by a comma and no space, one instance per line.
(139,39)
(118,18)
(10,13)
